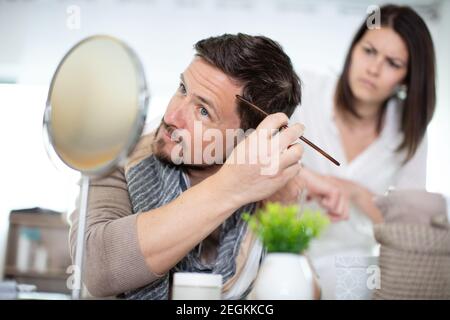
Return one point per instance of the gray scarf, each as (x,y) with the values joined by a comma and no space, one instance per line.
(152,184)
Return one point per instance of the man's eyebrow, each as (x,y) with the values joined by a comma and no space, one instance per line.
(202,99)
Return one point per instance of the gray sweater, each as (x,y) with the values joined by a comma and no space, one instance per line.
(114,263)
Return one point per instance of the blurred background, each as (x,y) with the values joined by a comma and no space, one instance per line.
(35,34)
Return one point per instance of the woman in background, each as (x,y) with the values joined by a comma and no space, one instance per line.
(373,119)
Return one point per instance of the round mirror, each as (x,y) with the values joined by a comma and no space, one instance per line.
(96,105)
(95,113)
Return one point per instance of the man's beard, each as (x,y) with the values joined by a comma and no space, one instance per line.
(159,144)
(158,147)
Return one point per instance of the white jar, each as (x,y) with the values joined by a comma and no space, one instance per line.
(284,276)
(196,286)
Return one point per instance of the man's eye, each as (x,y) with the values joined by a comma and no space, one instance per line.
(204,112)
(182,88)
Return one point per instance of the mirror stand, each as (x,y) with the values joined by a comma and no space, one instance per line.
(79,253)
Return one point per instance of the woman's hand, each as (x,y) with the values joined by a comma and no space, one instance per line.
(360,196)
(329,194)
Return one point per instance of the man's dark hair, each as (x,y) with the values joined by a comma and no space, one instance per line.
(260,65)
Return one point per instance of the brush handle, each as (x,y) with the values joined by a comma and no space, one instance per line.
(312,145)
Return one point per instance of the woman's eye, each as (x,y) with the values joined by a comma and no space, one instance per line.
(204,112)
(393,64)
(368,50)
(182,88)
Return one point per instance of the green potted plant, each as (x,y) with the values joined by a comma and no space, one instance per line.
(285,233)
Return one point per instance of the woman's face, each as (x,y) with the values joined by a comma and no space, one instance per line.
(379,63)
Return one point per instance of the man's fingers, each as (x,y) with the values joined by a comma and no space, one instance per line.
(273,122)
(291,171)
(291,156)
(299,181)
(290,135)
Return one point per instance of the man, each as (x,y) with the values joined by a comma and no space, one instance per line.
(173,209)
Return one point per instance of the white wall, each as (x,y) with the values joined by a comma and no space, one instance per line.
(35,36)
(28,178)
(439,129)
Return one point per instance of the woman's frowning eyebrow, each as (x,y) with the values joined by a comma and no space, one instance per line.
(392,58)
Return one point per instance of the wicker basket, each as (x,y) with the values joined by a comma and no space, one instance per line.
(414,261)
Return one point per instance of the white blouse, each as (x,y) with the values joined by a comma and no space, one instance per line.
(378,168)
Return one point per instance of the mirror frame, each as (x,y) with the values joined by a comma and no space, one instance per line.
(137,129)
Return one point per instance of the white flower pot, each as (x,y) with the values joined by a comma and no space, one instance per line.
(284,276)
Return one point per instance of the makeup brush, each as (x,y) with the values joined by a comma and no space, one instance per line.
(312,145)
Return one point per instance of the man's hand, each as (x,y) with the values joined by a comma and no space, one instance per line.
(290,193)
(262,163)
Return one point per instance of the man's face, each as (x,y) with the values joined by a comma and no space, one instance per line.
(204,103)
